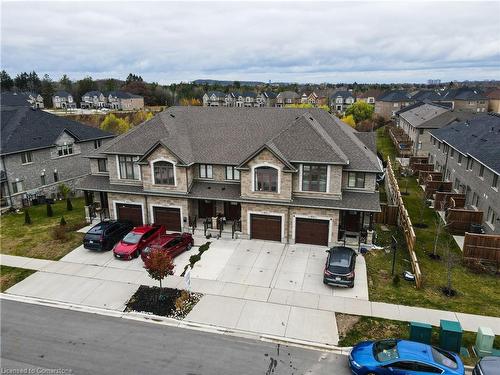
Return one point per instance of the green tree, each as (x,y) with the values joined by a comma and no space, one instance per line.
(6,82)
(360,111)
(114,124)
(84,85)
(21,81)
(307,105)
(47,91)
(63,221)
(65,83)
(34,82)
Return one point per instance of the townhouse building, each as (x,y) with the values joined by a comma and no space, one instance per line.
(341,100)
(289,175)
(124,101)
(286,98)
(94,99)
(466,99)
(390,102)
(40,150)
(494,101)
(419,119)
(369,96)
(468,155)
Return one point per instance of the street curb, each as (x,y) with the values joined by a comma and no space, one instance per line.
(172,322)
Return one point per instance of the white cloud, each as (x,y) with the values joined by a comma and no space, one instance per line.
(299,41)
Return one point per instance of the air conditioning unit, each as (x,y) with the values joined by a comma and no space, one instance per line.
(484,341)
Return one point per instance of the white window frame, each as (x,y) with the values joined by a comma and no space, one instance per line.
(265,164)
(27,156)
(233,170)
(301,171)
(135,165)
(151,168)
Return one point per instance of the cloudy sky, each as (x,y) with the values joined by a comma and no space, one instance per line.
(279,41)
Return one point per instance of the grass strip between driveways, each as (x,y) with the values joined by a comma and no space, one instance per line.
(477,292)
(362,328)
(37,240)
(10,276)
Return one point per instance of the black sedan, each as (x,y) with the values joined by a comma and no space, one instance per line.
(339,267)
(106,234)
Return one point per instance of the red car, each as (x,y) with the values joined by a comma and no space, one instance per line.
(136,240)
(174,244)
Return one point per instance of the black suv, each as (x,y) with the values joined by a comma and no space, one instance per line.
(339,267)
(106,234)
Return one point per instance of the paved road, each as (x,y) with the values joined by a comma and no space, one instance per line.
(49,338)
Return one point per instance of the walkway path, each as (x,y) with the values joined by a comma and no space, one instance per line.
(226,304)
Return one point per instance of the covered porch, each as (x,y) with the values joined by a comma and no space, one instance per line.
(354,226)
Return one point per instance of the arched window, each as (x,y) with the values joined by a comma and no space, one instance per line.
(164,173)
(266,179)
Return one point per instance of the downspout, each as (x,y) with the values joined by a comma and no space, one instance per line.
(446,160)
(7,181)
(147,211)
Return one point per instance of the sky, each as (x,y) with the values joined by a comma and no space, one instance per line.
(315,42)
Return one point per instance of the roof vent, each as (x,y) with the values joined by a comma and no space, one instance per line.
(223,189)
(172,115)
(467,123)
(209,187)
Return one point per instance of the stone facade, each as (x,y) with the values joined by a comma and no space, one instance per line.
(370,182)
(181,175)
(263,209)
(334,188)
(475,106)
(315,213)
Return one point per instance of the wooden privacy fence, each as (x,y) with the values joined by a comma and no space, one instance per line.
(417,167)
(432,186)
(423,176)
(418,160)
(444,200)
(482,247)
(388,214)
(405,223)
(401,141)
(459,220)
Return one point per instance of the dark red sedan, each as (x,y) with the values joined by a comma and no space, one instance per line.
(174,244)
(136,240)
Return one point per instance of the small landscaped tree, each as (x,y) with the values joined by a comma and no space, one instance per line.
(69,205)
(49,210)
(63,221)
(27,217)
(159,265)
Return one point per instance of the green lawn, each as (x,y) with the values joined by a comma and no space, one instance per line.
(384,144)
(367,328)
(477,293)
(36,240)
(12,275)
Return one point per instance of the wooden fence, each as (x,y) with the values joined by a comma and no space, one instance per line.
(405,223)
(444,200)
(401,141)
(459,220)
(423,176)
(482,247)
(433,186)
(418,160)
(417,167)
(388,214)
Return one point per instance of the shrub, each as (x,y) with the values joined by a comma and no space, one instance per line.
(50,213)
(62,222)
(194,258)
(59,233)
(64,190)
(27,217)
(69,205)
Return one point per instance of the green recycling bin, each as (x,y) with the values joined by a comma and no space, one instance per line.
(420,332)
(450,336)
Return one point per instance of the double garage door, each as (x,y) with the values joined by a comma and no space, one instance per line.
(170,217)
(307,231)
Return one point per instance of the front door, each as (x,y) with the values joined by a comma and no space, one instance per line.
(232,210)
(206,209)
(352,221)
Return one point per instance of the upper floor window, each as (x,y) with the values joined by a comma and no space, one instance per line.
(481,171)
(494,183)
(42,179)
(491,217)
(232,173)
(314,177)
(164,173)
(17,187)
(65,150)
(356,180)
(128,167)
(452,152)
(475,200)
(206,171)
(56,176)
(97,143)
(102,165)
(459,158)
(26,157)
(266,179)
(470,163)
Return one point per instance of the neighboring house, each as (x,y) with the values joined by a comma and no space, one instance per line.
(369,96)
(341,100)
(246,99)
(36,100)
(313,98)
(494,101)
(467,153)
(390,102)
(40,150)
(125,101)
(286,98)
(266,99)
(427,95)
(17,98)
(93,99)
(466,99)
(214,99)
(418,119)
(290,175)
(63,100)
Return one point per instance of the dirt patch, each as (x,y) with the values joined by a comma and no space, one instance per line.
(345,322)
(172,303)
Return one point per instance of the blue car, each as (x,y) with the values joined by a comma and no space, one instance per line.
(402,357)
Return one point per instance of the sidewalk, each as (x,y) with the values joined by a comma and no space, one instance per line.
(225,304)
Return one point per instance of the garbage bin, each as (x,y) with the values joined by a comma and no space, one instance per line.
(420,332)
(450,336)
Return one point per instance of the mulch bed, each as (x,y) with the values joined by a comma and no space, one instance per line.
(146,299)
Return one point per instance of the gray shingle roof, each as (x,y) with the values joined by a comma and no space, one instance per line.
(351,200)
(230,135)
(479,137)
(464,93)
(427,95)
(394,96)
(24,128)
(288,95)
(343,94)
(123,95)
(422,113)
(14,99)
(62,94)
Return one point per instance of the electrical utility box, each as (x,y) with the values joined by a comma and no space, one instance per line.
(450,336)
(484,341)
(420,332)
